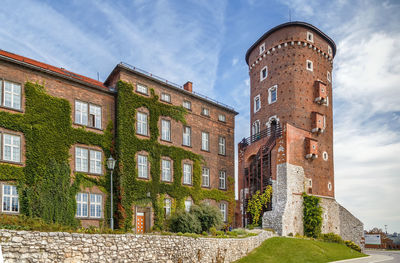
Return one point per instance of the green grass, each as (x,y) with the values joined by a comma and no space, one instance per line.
(283,249)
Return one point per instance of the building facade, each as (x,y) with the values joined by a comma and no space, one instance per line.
(291,142)
(174,147)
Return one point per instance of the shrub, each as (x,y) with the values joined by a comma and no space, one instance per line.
(331,237)
(240,231)
(232,233)
(184,222)
(204,233)
(290,234)
(213,231)
(209,216)
(352,245)
(220,233)
(312,216)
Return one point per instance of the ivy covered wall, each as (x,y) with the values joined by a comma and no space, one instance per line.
(134,190)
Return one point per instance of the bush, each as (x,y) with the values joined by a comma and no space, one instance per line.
(220,233)
(209,216)
(290,234)
(204,233)
(331,237)
(240,231)
(312,216)
(352,245)
(232,233)
(185,223)
(213,231)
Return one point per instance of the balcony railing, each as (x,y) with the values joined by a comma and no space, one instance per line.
(174,85)
(273,130)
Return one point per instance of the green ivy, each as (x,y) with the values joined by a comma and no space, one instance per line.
(312,215)
(128,144)
(258,202)
(44,183)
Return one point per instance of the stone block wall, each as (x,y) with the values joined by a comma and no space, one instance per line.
(25,246)
(351,228)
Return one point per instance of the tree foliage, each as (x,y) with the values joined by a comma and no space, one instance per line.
(258,202)
(209,216)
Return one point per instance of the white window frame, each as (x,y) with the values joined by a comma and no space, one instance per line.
(95,158)
(309,63)
(255,99)
(165,130)
(221,145)
(15,94)
(95,111)
(81,112)
(329,186)
(187,104)
(328,76)
(141,123)
(81,203)
(266,73)
(205,177)
(96,204)
(167,206)
(270,91)
(143,166)
(222,180)
(222,117)
(329,50)
(325,156)
(88,114)
(188,205)
(262,48)
(11,197)
(166,170)
(255,128)
(187,136)
(165,97)
(187,174)
(205,141)
(205,111)
(310,37)
(140,88)
(14,148)
(81,159)
(224,211)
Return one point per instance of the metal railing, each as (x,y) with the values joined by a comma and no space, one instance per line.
(258,136)
(174,84)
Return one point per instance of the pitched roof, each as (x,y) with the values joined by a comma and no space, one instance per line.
(52,69)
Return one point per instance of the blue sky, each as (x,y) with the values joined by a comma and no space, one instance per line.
(206,41)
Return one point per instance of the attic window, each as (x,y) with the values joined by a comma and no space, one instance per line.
(262,48)
(310,37)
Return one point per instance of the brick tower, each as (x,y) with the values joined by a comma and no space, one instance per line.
(291,142)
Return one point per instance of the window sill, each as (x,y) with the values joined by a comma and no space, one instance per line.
(88,173)
(207,116)
(187,184)
(168,102)
(168,141)
(187,109)
(189,146)
(143,135)
(222,121)
(143,178)
(11,162)
(90,127)
(167,182)
(10,212)
(208,151)
(142,93)
(222,189)
(224,155)
(88,218)
(205,186)
(12,109)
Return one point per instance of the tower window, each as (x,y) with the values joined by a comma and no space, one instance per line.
(263,73)
(329,50)
(272,94)
(310,37)
(309,65)
(329,186)
(262,48)
(255,129)
(325,156)
(257,103)
(328,76)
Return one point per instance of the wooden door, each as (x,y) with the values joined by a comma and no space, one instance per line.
(140,223)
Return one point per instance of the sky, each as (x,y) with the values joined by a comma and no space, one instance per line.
(206,41)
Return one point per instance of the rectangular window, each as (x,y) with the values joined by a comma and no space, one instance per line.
(310,37)
(142,89)
(81,113)
(205,146)
(141,123)
(142,166)
(187,136)
(328,76)
(263,73)
(166,170)
(223,208)
(95,116)
(187,104)
(222,180)
(329,50)
(82,205)
(11,94)
(272,94)
(95,205)
(11,148)
(10,198)
(309,65)
(188,205)
(95,162)
(81,159)
(187,173)
(205,111)
(167,207)
(222,117)
(165,130)
(262,48)
(165,97)
(257,103)
(205,177)
(221,145)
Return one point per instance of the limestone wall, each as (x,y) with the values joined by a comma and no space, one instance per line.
(351,228)
(24,246)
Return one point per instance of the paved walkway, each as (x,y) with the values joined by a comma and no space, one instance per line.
(376,256)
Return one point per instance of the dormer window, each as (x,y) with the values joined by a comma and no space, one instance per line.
(310,37)
(262,48)
(263,73)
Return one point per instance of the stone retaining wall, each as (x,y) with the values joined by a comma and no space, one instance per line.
(25,246)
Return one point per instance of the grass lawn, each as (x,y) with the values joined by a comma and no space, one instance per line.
(283,249)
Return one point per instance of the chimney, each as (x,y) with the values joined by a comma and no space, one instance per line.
(188,86)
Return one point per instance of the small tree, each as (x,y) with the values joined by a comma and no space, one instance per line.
(209,216)
(258,202)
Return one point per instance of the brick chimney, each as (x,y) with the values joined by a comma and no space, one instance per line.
(188,86)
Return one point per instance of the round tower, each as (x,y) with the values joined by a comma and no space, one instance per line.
(290,70)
